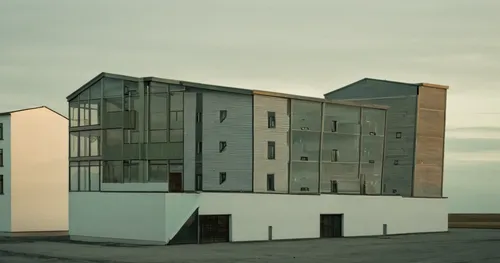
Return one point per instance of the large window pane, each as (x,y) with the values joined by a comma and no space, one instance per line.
(304,177)
(158,136)
(342,119)
(96,90)
(305,146)
(176,135)
(113,105)
(84,178)
(73,113)
(113,172)
(157,172)
(176,101)
(73,178)
(158,111)
(306,115)
(131,172)
(84,118)
(113,143)
(84,143)
(95,142)
(342,148)
(73,144)
(176,120)
(373,122)
(113,87)
(95,112)
(94,178)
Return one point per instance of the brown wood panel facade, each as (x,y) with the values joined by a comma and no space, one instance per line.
(429,146)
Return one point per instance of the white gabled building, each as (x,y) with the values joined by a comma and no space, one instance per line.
(33,171)
(161,161)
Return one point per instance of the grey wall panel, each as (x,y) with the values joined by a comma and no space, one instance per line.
(371,88)
(236,131)
(189,141)
(279,135)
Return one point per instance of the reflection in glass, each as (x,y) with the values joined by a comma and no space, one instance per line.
(176,135)
(306,115)
(112,87)
(342,119)
(113,143)
(373,122)
(346,145)
(157,172)
(131,172)
(94,112)
(304,177)
(305,146)
(84,178)
(95,90)
(95,142)
(113,105)
(113,172)
(158,136)
(84,143)
(73,113)
(158,111)
(73,178)
(73,144)
(94,178)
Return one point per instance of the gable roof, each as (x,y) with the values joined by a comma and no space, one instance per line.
(216,88)
(32,108)
(430,85)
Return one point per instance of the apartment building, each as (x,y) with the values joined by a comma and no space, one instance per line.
(33,172)
(161,161)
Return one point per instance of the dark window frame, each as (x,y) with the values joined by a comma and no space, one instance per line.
(198,185)
(1,131)
(270,182)
(271,150)
(199,117)
(222,177)
(1,185)
(334,186)
(334,126)
(399,135)
(222,146)
(271,120)
(199,148)
(1,157)
(335,155)
(222,115)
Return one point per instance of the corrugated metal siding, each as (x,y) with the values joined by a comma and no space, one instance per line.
(263,134)
(189,141)
(370,88)
(236,130)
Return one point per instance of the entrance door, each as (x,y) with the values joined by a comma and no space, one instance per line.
(214,228)
(175,182)
(330,226)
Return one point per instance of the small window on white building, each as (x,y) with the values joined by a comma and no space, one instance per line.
(270,182)
(271,150)
(1,184)
(1,131)
(335,155)
(222,115)
(334,126)
(1,157)
(271,120)
(199,182)
(222,146)
(222,177)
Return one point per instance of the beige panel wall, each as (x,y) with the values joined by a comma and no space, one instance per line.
(429,148)
(263,134)
(39,171)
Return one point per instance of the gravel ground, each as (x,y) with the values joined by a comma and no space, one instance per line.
(458,246)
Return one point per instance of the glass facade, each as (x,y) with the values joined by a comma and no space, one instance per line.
(123,132)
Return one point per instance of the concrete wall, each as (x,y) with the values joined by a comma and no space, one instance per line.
(236,130)
(5,199)
(39,171)
(363,215)
(279,135)
(120,216)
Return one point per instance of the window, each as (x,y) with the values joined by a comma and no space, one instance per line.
(398,135)
(1,184)
(271,150)
(222,115)
(334,186)
(271,119)
(199,182)
(1,157)
(335,155)
(396,162)
(270,182)
(334,126)
(199,148)
(1,131)
(222,177)
(198,117)
(158,171)
(222,146)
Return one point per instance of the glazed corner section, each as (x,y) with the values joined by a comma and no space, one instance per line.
(159,218)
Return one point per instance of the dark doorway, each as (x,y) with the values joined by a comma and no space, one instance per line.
(214,228)
(175,182)
(331,226)
(188,234)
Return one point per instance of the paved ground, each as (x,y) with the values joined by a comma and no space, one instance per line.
(458,246)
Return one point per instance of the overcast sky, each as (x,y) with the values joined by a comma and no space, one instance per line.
(50,48)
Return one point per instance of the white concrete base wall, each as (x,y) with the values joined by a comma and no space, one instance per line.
(157,217)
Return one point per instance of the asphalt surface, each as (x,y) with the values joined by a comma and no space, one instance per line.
(457,246)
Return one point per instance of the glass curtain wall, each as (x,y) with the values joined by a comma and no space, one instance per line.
(372,150)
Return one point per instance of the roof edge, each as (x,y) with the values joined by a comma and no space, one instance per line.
(33,108)
(437,86)
(91,82)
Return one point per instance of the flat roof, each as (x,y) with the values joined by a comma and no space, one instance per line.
(219,88)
